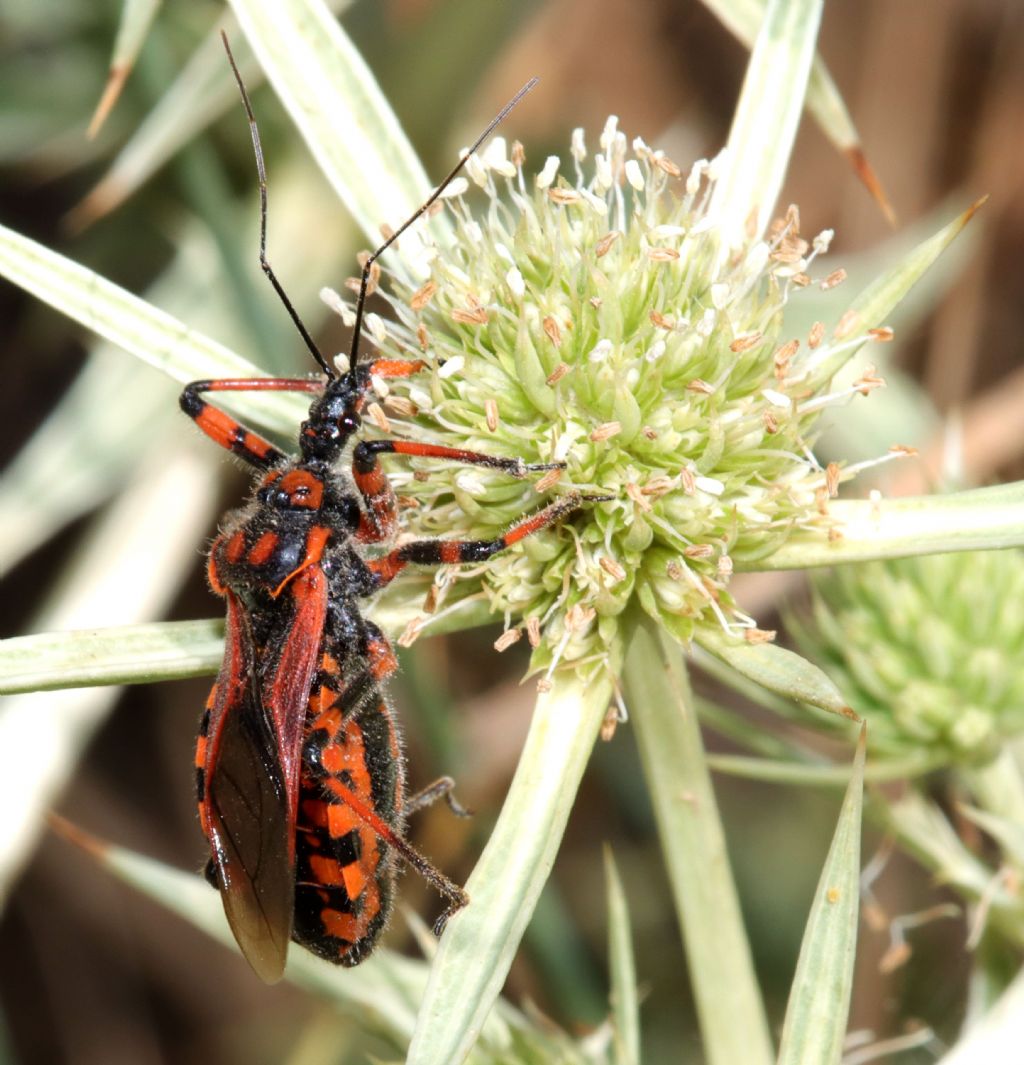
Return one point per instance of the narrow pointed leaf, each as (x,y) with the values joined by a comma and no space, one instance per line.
(146,332)
(336,104)
(622,967)
(819,1000)
(766,119)
(776,669)
(808,774)
(743,18)
(143,654)
(874,304)
(732,1018)
(127,569)
(979,519)
(202,92)
(126,654)
(478,946)
(136,18)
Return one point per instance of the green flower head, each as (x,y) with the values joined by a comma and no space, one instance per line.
(928,650)
(595,318)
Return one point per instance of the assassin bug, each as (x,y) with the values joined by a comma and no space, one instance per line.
(300,776)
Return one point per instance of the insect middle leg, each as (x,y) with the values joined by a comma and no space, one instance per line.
(452,552)
(381,514)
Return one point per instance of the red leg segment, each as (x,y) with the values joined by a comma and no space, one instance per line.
(230,434)
(452,552)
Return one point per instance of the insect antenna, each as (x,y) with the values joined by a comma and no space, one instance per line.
(368,265)
(264,263)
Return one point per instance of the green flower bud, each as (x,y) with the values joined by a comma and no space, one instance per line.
(927,650)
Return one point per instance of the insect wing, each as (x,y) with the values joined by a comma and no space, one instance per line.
(246,809)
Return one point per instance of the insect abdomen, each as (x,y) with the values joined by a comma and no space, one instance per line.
(344,883)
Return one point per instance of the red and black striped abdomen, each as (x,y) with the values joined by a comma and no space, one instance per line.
(352,778)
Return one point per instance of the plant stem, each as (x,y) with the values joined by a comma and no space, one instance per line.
(729,1005)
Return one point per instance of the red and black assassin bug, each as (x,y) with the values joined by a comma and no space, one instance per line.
(300,776)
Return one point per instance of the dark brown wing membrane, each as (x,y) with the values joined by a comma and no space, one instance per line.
(245,809)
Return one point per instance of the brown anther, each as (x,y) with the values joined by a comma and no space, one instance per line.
(543,686)
(724,566)
(770,422)
(420,475)
(507,638)
(471,316)
(388,233)
(688,480)
(658,486)
(578,617)
(759,635)
(745,343)
(664,163)
(518,154)
(816,335)
(869,381)
(376,414)
(650,433)
(790,250)
(411,632)
(792,219)
(533,631)
(609,723)
(675,571)
(548,481)
(606,431)
(551,330)
(801,280)
(662,255)
(435,209)
(612,568)
(565,197)
(491,408)
(423,336)
(700,387)
(883,334)
(557,374)
(783,356)
(407,502)
(699,551)
(834,535)
(821,500)
(837,277)
(634,492)
(423,295)
(903,450)
(595,302)
(401,405)
(710,588)
(832,479)
(604,245)
(430,599)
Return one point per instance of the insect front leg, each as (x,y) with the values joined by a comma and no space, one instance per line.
(230,434)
